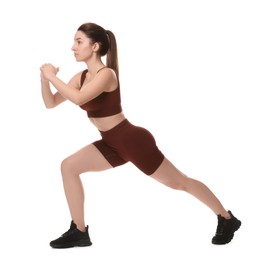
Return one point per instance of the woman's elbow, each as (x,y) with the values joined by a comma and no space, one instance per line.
(49,106)
(78,101)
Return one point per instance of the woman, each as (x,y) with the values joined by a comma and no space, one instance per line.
(97,91)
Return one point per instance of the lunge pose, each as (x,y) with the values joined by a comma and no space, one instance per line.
(96,90)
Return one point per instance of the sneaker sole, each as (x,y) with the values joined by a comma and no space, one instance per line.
(70,245)
(231,235)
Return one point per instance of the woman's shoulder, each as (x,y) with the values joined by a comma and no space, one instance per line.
(107,73)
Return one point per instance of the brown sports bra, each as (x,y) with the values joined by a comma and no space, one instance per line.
(106,104)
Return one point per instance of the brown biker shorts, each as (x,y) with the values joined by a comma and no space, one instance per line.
(128,143)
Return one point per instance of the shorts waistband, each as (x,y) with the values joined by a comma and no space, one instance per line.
(115,128)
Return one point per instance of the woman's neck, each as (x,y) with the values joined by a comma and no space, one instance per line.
(94,66)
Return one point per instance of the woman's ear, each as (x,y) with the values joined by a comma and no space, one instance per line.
(96,47)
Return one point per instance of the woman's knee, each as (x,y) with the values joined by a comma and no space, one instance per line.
(177,186)
(170,176)
(68,167)
(171,183)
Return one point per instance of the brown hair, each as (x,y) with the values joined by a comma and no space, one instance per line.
(107,42)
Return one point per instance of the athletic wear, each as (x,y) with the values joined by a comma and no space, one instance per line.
(125,142)
(106,104)
(128,143)
(226,229)
(73,237)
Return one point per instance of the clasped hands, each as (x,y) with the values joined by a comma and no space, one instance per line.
(48,71)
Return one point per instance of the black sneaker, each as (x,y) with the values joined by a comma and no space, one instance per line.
(73,237)
(225,229)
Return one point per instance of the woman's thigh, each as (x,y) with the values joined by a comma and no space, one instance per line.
(170,176)
(87,159)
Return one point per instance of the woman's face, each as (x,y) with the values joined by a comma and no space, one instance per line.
(83,48)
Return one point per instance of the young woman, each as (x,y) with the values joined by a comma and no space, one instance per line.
(97,91)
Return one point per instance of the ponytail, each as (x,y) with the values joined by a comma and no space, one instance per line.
(112,54)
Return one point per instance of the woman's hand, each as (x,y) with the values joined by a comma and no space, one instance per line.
(48,71)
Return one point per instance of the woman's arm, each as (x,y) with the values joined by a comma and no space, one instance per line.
(103,81)
(50,100)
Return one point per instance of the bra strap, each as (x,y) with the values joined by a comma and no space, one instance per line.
(82,78)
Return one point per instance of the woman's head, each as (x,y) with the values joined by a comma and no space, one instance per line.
(106,41)
(96,34)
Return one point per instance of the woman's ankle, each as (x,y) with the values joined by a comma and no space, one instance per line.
(80,226)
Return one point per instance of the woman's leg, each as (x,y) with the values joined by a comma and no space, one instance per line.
(170,176)
(86,159)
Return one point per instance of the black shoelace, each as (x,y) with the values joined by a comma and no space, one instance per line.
(69,232)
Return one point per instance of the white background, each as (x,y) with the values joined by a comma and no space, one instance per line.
(191,73)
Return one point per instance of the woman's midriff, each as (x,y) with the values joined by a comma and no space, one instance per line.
(106,123)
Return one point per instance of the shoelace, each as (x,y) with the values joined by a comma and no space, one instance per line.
(69,232)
